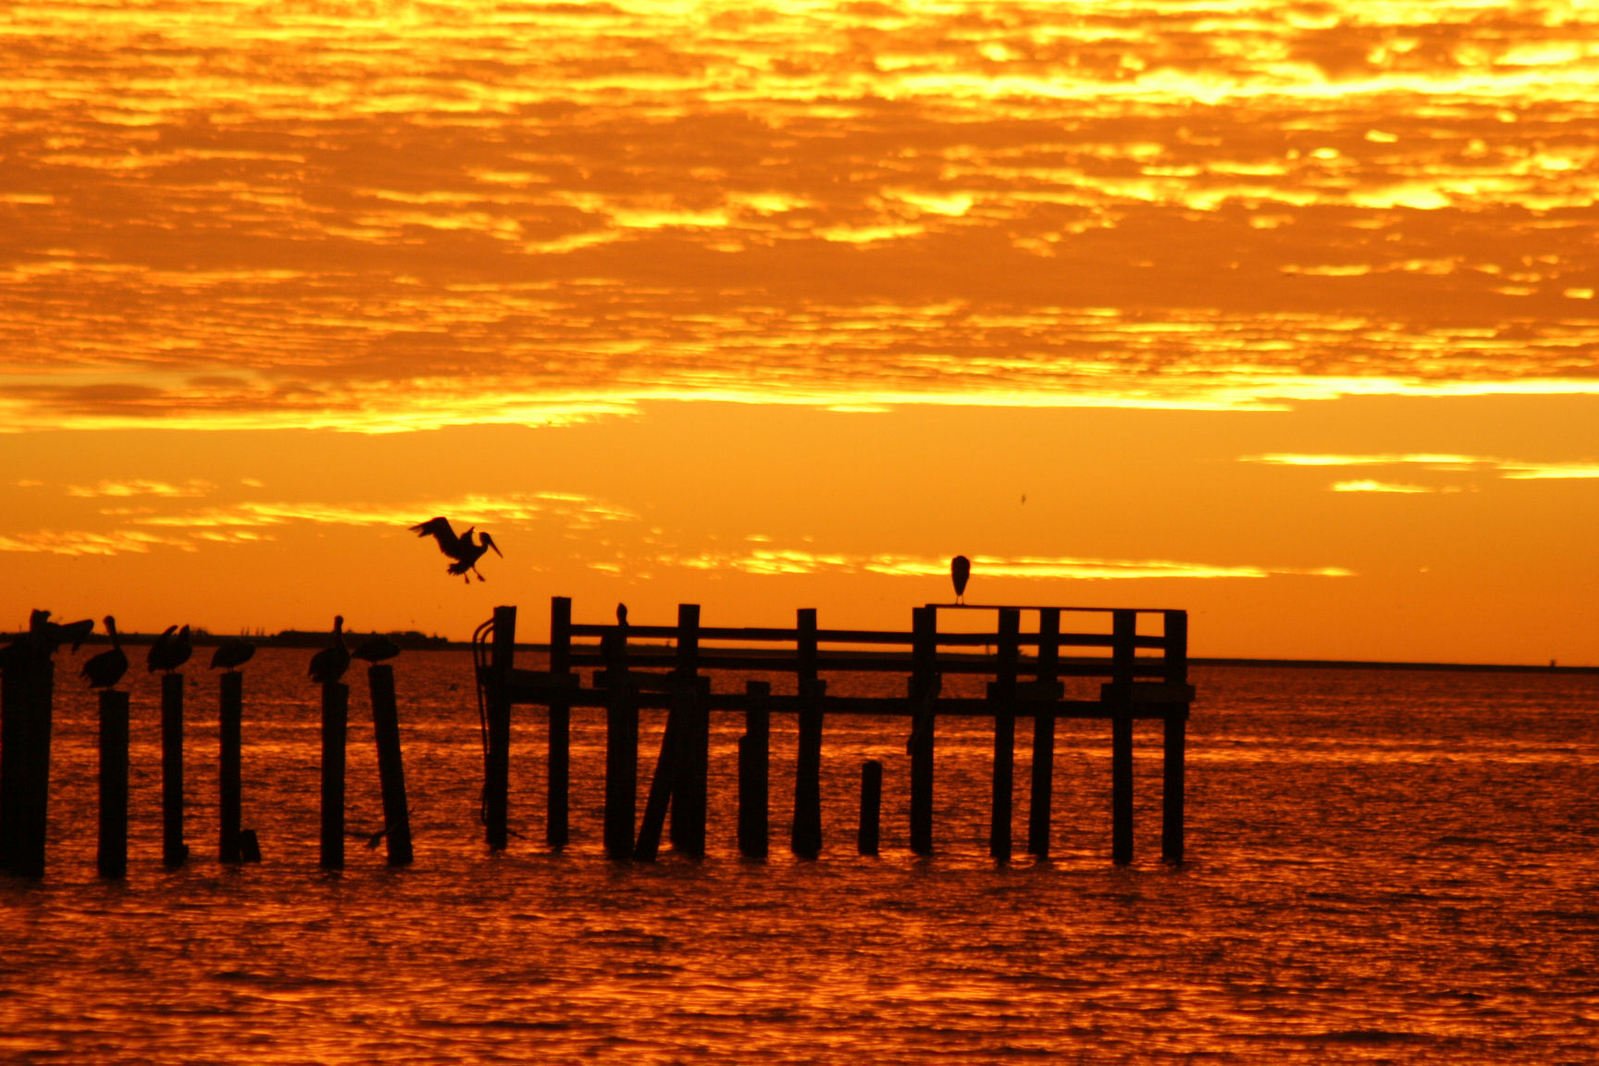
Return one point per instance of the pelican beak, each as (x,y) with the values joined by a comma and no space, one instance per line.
(486,539)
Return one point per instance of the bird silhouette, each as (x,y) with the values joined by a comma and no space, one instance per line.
(107,668)
(232,654)
(621,615)
(960,571)
(169,651)
(51,635)
(376,648)
(462,549)
(329,664)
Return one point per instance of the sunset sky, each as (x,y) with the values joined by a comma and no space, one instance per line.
(1283,313)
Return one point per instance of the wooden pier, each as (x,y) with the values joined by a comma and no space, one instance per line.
(1138,657)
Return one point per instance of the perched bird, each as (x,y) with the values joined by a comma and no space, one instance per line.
(621,615)
(462,549)
(376,648)
(107,668)
(232,654)
(329,664)
(960,571)
(169,652)
(51,635)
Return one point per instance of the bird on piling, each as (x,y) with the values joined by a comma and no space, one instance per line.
(107,668)
(169,651)
(462,549)
(621,615)
(960,571)
(375,648)
(329,664)
(51,635)
(232,654)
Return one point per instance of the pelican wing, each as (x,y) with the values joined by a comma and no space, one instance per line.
(439,529)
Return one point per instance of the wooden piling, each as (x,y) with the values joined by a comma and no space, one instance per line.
(661,787)
(621,749)
(1042,788)
(112,855)
(754,767)
(866,837)
(559,760)
(1123,651)
(335,725)
(20,661)
(1175,725)
(230,781)
(1002,696)
(497,753)
(689,697)
(174,852)
(391,768)
(805,836)
(924,686)
(33,814)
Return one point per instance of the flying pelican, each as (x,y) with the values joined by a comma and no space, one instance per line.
(376,648)
(232,654)
(107,668)
(329,664)
(459,548)
(169,652)
(960,570)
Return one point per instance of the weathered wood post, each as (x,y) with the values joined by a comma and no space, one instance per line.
(806,830)
(866,838)
(559,760)
(754,769)
(391,768)
(21,841)
(1043,771)
(335,728)
(693,736)
(174,852)
(621,747)
(924,686)
(1123,651)
(112,856)
(230,780)
(1176,728)
(1002,697)
(662,785)
(497,755)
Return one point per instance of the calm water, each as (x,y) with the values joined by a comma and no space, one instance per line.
(1384,866)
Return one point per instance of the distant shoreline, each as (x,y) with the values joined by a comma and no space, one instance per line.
(413,641)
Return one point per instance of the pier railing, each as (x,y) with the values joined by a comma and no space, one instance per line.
(1139,657)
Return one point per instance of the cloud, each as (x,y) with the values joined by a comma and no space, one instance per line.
(771,561)
(1443,463)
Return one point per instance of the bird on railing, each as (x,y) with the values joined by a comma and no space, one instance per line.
(232,654)
(169,651)
(375,648)
(960,571)
(621,615)
(329,664)
(107,668)
(461,548)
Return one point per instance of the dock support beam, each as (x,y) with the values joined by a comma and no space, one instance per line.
(111,858)
(25,761)
(693,737)
(866,837)
(1121,738)
(391,767)
(621,749)
(1174,741)
(335,729)
(559,761)
(1003,697)
(924,686)
(497,755)
(230,776)
(806,831)
(1042,789)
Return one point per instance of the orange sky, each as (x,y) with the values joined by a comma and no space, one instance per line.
(1285,314)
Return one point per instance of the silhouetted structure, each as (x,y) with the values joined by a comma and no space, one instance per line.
(461,549)
(1142,675)
(960,571)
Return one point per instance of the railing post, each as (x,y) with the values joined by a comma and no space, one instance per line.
(497,756)
(1003,704)
(1043,771)
(693,738)
(924,686)
(621,748)
(558,760)
(806,831)
(1174,741)
(1123,651)
(754,763)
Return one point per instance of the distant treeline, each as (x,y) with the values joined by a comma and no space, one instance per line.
(409,639)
